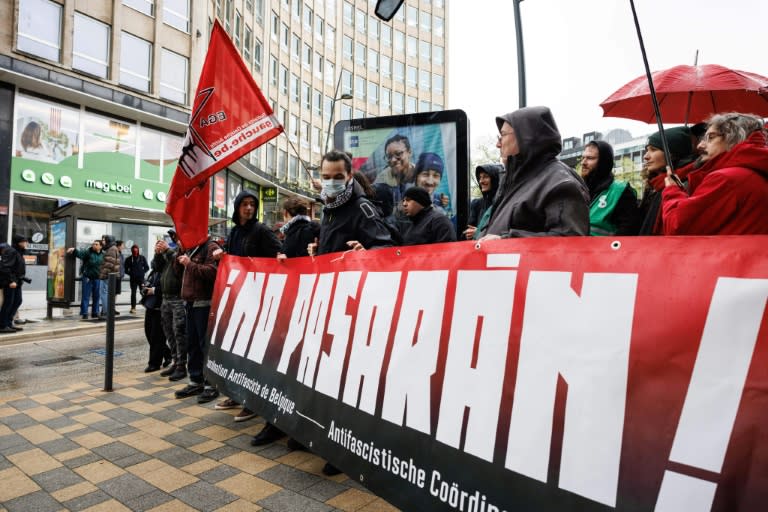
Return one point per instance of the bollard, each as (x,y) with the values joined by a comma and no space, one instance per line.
(109,353)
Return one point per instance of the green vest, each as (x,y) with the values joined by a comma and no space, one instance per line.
(602,207)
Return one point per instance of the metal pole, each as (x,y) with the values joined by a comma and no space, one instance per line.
(109,353)
(520,55)
(333,107)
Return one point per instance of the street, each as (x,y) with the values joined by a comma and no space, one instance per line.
(41,366)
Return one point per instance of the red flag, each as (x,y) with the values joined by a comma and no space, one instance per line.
(230,118)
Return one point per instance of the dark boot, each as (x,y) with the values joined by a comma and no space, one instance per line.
(168,371)
(179,373)
(268,434)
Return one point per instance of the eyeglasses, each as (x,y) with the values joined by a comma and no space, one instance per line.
(502,134)
(395,154)
(709,137)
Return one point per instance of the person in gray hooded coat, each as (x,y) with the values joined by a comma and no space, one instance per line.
(539,196)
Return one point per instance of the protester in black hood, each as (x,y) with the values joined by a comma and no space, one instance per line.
(540,195)
(487,176)
(13,271)
(249,237)
(613,206)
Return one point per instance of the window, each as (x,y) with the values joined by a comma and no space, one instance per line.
(359,87)
(145,6)
(346,82)
(259,12)
(306,58)
(411,47)
(306,95)
(271,153)
(249,5)
(285,37)
(373,93)
(437,26)
(347,14)
(257,53)
(176,14)
(318,102)
(386,98)
(297,5)
(425,81)
(275,25)
(437,55)
(373,60)
(238,28)
(218,9)
(315,138)
(386,35)
(309,15)
(398,106)
(412,16)
(399,41)
(346,112)
(40,28)
(330,37)
(410,105)
(273,75)
(103,134)
(90,47)
(283,79)
(373,28)
(437,83)
(360,19)
(424,50)
(386,67)
(412,76)
(359,53)
(135,62)
(228,15)
(346,47)
(399,71)
(330,75)
(304,133)
(327,104)
(319,27)
(247,42)
(424,106)
(294,88)
(173,76)
(282,164)
(295,47)
(426,21)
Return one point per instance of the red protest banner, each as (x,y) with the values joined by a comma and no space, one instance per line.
(530,374)
(230,118)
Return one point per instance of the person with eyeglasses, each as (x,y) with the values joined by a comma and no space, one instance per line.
(681,143)
(539,195)
(728,192)
(398,176)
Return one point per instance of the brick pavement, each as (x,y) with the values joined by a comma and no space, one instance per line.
(139,448)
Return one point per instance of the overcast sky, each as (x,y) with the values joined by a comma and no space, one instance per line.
(578,52)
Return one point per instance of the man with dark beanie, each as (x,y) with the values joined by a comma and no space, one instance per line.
(682,151)
(427,224)
(613,204)
(540,195)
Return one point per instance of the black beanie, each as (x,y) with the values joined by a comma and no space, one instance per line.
(17,239)
(678,139)
(419,195)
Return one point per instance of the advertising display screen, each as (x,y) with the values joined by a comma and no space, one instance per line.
(60,275)
(429,149)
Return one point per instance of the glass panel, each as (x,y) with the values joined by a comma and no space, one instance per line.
(40,28)
(176,14)
(109,142)
(46,131)
(135,62)
(90,48)
(145,6)
(173,76)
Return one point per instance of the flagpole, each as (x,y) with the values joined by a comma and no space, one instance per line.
(655,101)
(303,163)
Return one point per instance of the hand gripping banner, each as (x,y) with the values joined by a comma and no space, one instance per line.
(230,118)
(533,374)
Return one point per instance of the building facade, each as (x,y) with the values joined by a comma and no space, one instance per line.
(95,99)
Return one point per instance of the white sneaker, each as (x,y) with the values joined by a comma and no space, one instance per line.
(133,311)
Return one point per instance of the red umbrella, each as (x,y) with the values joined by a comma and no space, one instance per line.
(690,94)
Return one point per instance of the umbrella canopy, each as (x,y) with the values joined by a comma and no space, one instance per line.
(690,94)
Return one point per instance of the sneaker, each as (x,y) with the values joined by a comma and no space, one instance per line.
(179,373)
(208,395)
(227,403)
(268,434)
(189,390)
(168,371)
(7,330)
(330,470)
(132,311)
(84,317)
(245,415)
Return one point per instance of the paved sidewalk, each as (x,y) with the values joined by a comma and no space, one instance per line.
(139,448)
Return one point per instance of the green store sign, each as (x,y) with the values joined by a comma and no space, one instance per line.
(104,179)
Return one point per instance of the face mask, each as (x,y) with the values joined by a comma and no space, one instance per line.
(332,188)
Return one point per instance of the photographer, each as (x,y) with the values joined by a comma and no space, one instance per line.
(12,277)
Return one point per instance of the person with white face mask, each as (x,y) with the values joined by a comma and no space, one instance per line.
(350,220)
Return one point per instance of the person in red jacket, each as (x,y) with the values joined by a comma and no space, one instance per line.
(728,193)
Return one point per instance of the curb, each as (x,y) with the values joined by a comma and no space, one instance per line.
(42,333)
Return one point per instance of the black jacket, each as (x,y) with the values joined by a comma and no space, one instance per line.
(540,196)
(298,236)
(136,267)
(626,214)
(429,226)
(12,266)
(253,238)
(357,219)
